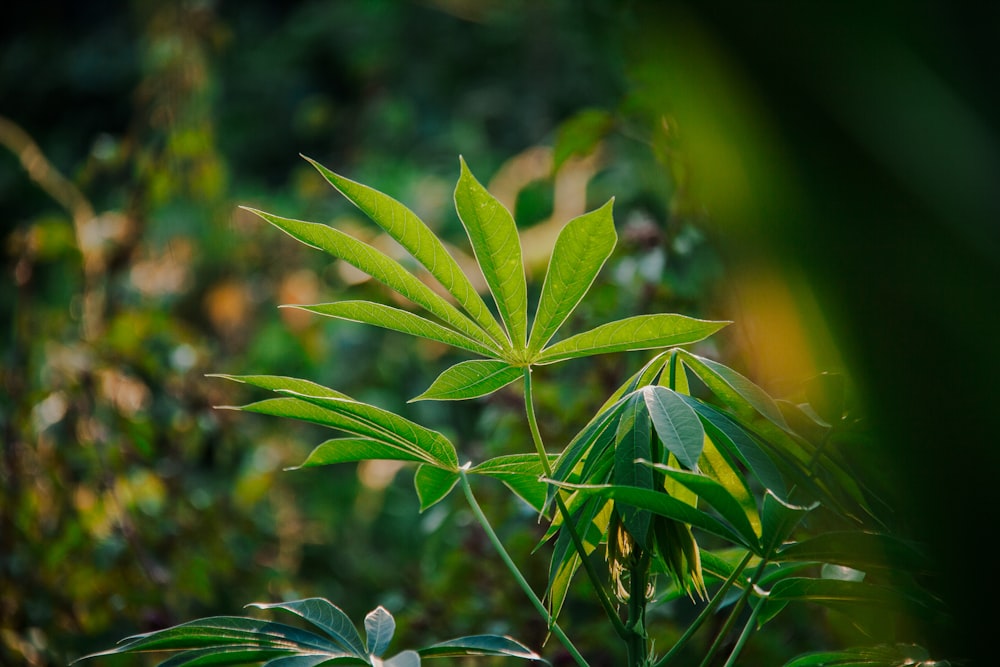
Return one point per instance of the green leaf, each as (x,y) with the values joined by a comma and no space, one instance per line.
(471,379)
(417,238)
(490,645)
(641,332)
(580,135)
(387,317)
(661,503)
(278,382)
(633,441)
(350,450)
(379,266)
(325,616)
(433,447)
(217,656)
(727,433)
(433,485)
(740,394)
(380,626)
(677,425)
(497,247)
(778,520)
(718,497)
(860,550)
(582,248)
(899,655)
(844,596)
(521,473)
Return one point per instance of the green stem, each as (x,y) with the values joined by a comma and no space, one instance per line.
(588,566)
(748,630)
(705,613)
(509,562)
(636,642)
(733,616)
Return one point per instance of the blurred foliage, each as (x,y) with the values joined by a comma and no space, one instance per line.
(134,128)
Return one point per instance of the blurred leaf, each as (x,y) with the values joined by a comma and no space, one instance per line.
(857,549)
(898,655)
(404,659)
(580,135)
(471,379)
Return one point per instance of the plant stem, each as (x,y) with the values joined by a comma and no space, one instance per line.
(636,642)
(705,613)
(588,566)
(745,635)
(509,562)
(731,621)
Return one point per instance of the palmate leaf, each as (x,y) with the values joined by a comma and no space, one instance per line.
(396,319)
(497,246)
(582,248)
(329,408)
(471,379)
(327,617)
(417,238)
(642,332)
(381,267)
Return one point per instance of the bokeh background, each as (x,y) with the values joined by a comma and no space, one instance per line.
(827,176)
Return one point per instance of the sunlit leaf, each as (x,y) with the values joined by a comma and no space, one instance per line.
(380,626)
(497,247)
(379,266)
(349,450)
(520,473)
(741,395)
(641,332)
(471,379)
(278,382)
(580,251)
(396,319)
(420,241)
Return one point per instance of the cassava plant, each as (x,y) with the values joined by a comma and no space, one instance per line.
(694,481)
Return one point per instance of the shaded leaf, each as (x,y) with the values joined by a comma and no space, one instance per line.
(778,520)
(325,616)
(677,425)
(404,659)
(633,440)
(380,626)
(471,379)
(494,645)
(521,473)
(580,251)
(497,247)
(641,332)
(580,135)
(861,550)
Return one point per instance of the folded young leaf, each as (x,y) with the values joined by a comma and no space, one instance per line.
(580,251)
(396,319)
(379,266)
(633,441)
(433,485)
(471,379)
(642,332)
(417,238)
(497,247)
